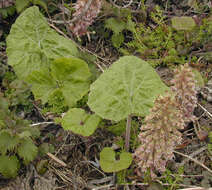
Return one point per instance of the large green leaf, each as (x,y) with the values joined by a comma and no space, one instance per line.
(67,75)
(109,163)
(32,43)
(129,86)
(9,166)
(27,150)
(80,122)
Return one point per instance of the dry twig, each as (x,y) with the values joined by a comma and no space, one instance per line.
(194,160)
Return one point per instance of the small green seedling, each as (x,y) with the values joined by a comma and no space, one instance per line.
(109,163)
(129,87)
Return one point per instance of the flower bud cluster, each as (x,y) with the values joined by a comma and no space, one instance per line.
(185,93)
(159,135)
(84,15)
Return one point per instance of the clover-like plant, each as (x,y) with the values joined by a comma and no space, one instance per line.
(128,88)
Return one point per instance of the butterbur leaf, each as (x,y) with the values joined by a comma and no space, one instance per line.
(129,86)
(9,166)
(183,23)
(80,122)
(42,83)
(70,76)
(27,150)
(7,142)
(31,43)
(109,163)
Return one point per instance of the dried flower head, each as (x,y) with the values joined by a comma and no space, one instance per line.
(86,12)
(160,135)
(185,93)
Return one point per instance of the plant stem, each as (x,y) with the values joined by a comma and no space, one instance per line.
(127,136)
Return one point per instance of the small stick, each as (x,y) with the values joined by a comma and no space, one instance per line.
(193,154)
(205,110)
(57,159)
(194,160)
(127,136)
(42,123)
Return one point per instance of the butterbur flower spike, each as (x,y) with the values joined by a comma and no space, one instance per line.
(85,13)
(159,136)
(185,93)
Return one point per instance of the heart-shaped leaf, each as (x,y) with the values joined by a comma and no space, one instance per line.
(129,86)
(109,163)
(31,43)
(183,23)
(80,122)
(70,76)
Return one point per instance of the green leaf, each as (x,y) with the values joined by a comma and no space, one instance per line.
(32,44)
(27,150)
(109,163)
(42,166)
(80,122)
(25,134)
(41,3)
(183,23)
(21,4)
(129,86)
(118,129)
(9,166)
(117,40)
(43,85)
(67,75)
(7,142)
(45,148)
(115,25)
